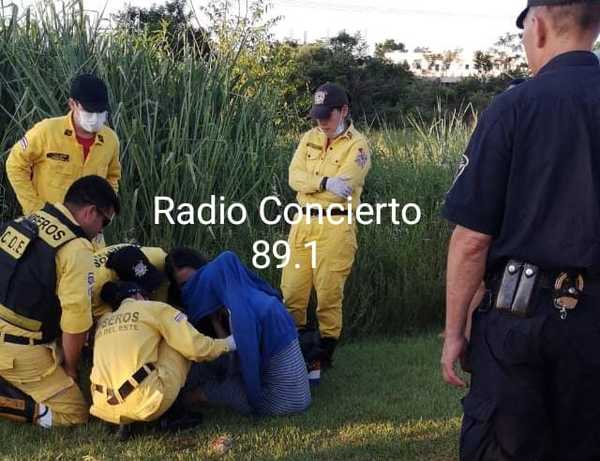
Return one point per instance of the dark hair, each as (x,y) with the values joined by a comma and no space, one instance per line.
(92,190)
(113,293)
(181,257)
(583,16)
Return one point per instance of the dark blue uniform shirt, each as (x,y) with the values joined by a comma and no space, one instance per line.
(531,174)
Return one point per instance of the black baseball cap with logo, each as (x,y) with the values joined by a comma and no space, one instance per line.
(131,265)
(328,96)
(530,3)
(90,92)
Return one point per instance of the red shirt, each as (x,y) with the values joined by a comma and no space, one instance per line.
(86,143)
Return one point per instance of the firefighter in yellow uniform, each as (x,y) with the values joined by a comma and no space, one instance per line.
(58,151)
(143,265)
(329,165)
(142,356)
(46,277)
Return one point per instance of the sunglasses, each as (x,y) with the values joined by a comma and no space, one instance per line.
(105,219)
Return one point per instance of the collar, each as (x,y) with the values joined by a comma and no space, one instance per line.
(348,134)
(69,129)
(570,59)
(64,210)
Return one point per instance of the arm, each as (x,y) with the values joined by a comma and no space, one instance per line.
(75,268)
(300,179)
(354,169)
(184,338)
(113,174)
(19,169)
(72,345)
(467,256)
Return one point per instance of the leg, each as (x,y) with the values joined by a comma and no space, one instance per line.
(33,371)
(296,278)
(173,369)
(335,256)
(505,412)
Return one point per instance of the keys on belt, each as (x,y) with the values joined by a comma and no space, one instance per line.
(515,289)
(127,387)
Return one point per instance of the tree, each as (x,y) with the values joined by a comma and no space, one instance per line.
(169,21)
(483,62)
(387,46)
(507,54)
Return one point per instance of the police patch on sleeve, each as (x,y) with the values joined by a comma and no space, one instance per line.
(462,166)
(180,317)
(362,158)
(24,143)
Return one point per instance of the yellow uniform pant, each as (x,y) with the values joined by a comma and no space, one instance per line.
(335,250)
(153,397)
(35,371)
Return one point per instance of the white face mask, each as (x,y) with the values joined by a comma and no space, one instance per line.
(91,122)
(340,128)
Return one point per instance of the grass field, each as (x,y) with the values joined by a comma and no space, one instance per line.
(384,400)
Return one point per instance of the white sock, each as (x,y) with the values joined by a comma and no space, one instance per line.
(45,418)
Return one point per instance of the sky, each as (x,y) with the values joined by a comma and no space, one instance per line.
(438,24)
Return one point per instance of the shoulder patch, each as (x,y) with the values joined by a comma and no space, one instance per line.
(68,132)
(362,158)
(24,143)
(462,166)
(180,317)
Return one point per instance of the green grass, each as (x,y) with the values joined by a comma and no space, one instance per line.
(384,400)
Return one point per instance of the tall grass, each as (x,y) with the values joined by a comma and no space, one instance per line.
(191,128)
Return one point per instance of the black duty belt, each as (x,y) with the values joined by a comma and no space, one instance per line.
(126,388)
(22,340)
(313,211)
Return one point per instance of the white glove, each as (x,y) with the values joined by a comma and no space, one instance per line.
(231,345)
(337,185)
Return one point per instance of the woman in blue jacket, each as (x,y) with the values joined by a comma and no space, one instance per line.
(274,379)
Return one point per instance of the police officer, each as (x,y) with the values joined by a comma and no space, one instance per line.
(526,206)
(329,166)
(142,355)
(57,151)
(143,265)
(46,278)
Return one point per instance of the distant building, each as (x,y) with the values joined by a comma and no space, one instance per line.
(447,66)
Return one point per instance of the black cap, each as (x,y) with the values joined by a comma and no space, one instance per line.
(113,293)
(90,92)
(131,265)
(328,97)
(530,3)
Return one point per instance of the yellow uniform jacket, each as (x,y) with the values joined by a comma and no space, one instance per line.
(48,159)
(138,333)
(348,155)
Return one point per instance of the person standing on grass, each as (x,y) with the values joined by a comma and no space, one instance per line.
(526,206)
(46,279)
(58,151)
(329,166)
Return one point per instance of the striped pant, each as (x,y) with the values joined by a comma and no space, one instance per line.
(285,387)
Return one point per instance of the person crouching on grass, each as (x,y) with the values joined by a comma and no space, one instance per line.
(268,376)
(142,357)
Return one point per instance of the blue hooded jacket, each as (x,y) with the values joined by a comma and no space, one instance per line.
(260,323)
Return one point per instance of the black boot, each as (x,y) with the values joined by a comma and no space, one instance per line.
(328,347)
(16,405)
